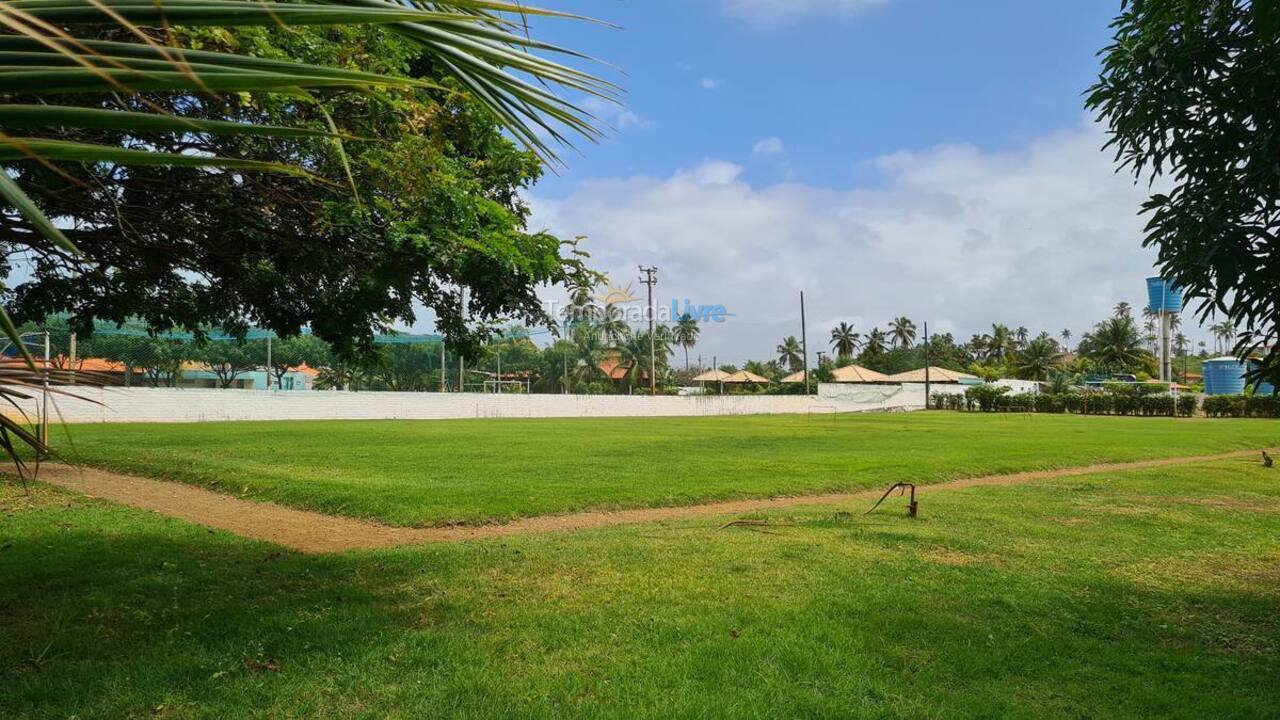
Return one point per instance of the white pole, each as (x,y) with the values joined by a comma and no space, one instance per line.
(71,356)
(44,413)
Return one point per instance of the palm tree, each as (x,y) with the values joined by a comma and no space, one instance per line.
(581,308)
(1066,340)
(1038,360)
(978,347)
(685,334)
(634,355)
(844,341)
(903,332)
(1000,342)
(1223,332)
(790,353)
(612,326)
(1020,335)
(590,350)
(1115,344)
(876,342)
(1149,335)
(1124,309)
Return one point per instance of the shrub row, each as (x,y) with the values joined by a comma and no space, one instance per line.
(986,398)
(1265,406)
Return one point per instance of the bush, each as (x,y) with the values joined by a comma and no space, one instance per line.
(986,396)
(1225,406)
(1187,404)
(1114,399)
(1265,406)
(949,401)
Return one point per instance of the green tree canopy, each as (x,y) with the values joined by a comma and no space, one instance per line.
(436,208)
(1189,91)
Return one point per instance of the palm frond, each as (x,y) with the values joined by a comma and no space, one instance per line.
(483,44)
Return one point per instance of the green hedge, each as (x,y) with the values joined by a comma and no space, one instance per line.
(1118,400)
(1263,406)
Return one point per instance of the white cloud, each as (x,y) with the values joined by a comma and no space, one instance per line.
(712,172)
(768,147)
(772,12)
(617,116)
(707,83)
(1045,236)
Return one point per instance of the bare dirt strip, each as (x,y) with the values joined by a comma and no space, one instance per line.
(313,532)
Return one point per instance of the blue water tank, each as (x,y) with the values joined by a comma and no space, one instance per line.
(1163,296)
(1225,376)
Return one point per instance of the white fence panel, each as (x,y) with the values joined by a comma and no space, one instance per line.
(199,405)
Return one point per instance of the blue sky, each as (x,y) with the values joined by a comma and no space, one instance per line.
(928,158)
(837,84)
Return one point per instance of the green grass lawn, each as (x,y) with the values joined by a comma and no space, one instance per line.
(436,472)
(1137,594)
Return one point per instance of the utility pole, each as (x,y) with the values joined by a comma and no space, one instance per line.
(804,344)
(926,366)
(650,278)
(462,307)
(44,411)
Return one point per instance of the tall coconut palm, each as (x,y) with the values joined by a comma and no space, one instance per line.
(1115,344)
(903,332)
(612,325)
(1123,309)
(685,334)
(1066,340)
(790,353)
(582,308)
(1038,360)
(1000,342)
(876,342)
(1021,335)
(844,341)
(1223,332)
(590,352)
(633,354)
(1180,344)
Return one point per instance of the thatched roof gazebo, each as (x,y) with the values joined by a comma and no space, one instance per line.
(713,376)
(936,374)
(745,376)
(858,374)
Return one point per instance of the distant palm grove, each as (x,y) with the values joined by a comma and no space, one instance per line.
(596,350)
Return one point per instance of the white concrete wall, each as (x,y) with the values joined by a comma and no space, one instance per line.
(197,405)
(1017,387)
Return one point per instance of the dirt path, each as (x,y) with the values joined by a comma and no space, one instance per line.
(313,532)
